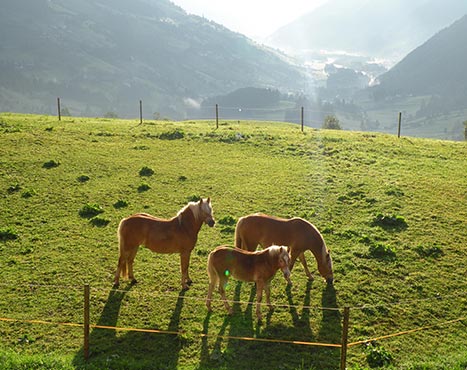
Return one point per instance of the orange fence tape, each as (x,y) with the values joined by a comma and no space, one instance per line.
(317,344)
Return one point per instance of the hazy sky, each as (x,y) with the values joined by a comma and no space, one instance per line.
(254,18)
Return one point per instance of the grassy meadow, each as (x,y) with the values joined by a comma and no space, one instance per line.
(392,211)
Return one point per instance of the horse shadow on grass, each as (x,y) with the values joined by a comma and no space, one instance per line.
(230,353)
(131,349)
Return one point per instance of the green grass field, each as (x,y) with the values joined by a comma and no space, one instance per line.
(392,211)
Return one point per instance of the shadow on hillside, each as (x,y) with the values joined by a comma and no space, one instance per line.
(132,349)
(231,353)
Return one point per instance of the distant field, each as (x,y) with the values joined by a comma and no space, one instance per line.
(392,211)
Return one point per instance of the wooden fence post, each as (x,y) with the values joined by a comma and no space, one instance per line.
(217,116)
(302,119)
(86,322)
(345,334)
(59,110)
(399,127)
(140,112)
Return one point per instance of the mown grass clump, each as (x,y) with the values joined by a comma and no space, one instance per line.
(382,251)
(228,224)
(28,193)
(377,356)
(99,221)
(146,171)
(143,187)
(434,251)
(8,233)
(120,204)
(83,178)
(90,210)
(14,188)
(175,134)
(389,221)
(51,164)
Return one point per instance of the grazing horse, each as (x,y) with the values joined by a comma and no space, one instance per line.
(297,234)
(176,235)
(259,267)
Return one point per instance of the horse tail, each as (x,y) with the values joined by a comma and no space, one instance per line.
(122,268)
(212,272)
(238,238)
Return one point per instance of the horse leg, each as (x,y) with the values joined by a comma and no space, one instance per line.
(120,269)
(259,297)
(303,261)
(130,260)
(212,285)
(123,265)
(222,283)
(267,290)
(184,264)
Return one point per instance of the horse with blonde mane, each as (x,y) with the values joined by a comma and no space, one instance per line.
(176,235)
(259,267)
(296,233)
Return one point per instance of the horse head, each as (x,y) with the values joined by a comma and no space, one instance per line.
(284,262)
(325,268)
(205,212)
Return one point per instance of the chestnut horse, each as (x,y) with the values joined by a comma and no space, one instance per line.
(176,235)
(259,267)
(297,234)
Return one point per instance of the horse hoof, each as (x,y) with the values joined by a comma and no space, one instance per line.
(116,285)
(189,282)
(134,282)
(185,288)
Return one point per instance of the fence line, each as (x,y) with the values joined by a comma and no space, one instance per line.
(343,346)
(171,332)
(177,296)
(407,331)
(283,341)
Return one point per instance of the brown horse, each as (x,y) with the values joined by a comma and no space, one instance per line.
(176,235)
(259,267)
(297,234)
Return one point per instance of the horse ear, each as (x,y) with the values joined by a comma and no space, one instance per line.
(201,201)
(209,199)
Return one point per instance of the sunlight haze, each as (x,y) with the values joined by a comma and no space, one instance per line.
(255,19)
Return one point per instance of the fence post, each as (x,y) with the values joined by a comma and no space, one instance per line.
(217,116)
(140,112)
(59,110)
(399,127)
(86,322)
(345,333)
(302,119)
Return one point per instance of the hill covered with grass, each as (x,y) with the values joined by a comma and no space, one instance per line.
(392,211)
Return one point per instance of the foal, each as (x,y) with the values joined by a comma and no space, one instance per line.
(259,267)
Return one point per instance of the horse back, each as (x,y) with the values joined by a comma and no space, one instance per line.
(269,230)
(242,265)
(157,234)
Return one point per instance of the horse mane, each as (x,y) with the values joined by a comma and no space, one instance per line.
(193,207)
(190,206)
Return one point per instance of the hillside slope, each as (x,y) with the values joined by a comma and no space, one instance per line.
(437,68)
(106,55)
(392,211)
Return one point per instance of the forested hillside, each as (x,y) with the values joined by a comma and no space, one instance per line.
(105,56)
